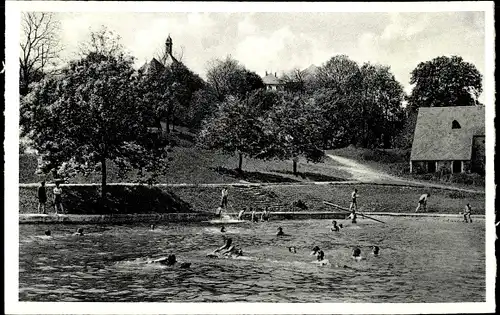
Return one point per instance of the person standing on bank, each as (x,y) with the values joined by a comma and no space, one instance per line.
(58,197)
(223,203)
(354,200)
(422,202)
(42,198)
(468,210)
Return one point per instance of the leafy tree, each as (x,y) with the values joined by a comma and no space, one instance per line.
(381,111)
(228,77)
(40,47)
(445,81)
(235,127)
(340,74)
(293,128)
(90,114)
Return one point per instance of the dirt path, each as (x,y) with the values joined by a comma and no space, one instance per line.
(364,173)
(361,172)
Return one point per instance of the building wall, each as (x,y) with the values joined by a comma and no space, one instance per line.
(445,167)
(478,154)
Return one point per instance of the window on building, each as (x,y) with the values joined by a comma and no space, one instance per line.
(455,125)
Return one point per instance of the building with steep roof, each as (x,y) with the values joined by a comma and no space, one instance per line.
(449,139)
(167,59)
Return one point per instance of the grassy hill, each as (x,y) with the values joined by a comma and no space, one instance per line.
(193,165)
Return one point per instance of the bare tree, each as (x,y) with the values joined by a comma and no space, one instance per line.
(40,46)
(102,42)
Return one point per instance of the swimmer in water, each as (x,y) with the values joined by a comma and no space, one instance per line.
(79,232)
(223,229)
(227,245)
(335,227)
(280,231)
(292,249)
(316,251)
(48,233)
(356,253)
(376,250)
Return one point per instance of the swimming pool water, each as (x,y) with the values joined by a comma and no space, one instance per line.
(421,260)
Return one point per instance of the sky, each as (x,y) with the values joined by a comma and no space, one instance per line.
(277,42)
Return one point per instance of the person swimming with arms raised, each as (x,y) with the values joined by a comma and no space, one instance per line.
(320,255)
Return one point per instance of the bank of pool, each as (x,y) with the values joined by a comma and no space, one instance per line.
(421,260)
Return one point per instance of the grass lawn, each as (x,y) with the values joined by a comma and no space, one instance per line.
(144,199)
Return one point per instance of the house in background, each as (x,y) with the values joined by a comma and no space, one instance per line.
(167,59)
(450,139)
(272,82)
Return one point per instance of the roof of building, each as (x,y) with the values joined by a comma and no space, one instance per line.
(309,71)
(271,79)
(434,138)
(155,65)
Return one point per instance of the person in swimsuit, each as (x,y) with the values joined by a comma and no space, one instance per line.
(354,200)
(240,215)
(356,253)
(335,227)
(42,198)
(316,251)
(468,210)
(79,232)
(422,202)
(280,231)
(353,216)
(223,203)
(58,198)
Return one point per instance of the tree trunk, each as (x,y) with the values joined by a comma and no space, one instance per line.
(103,182)
(295,167)
(240,162)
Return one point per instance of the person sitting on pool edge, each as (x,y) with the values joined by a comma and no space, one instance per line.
(353,216)
(335,227)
